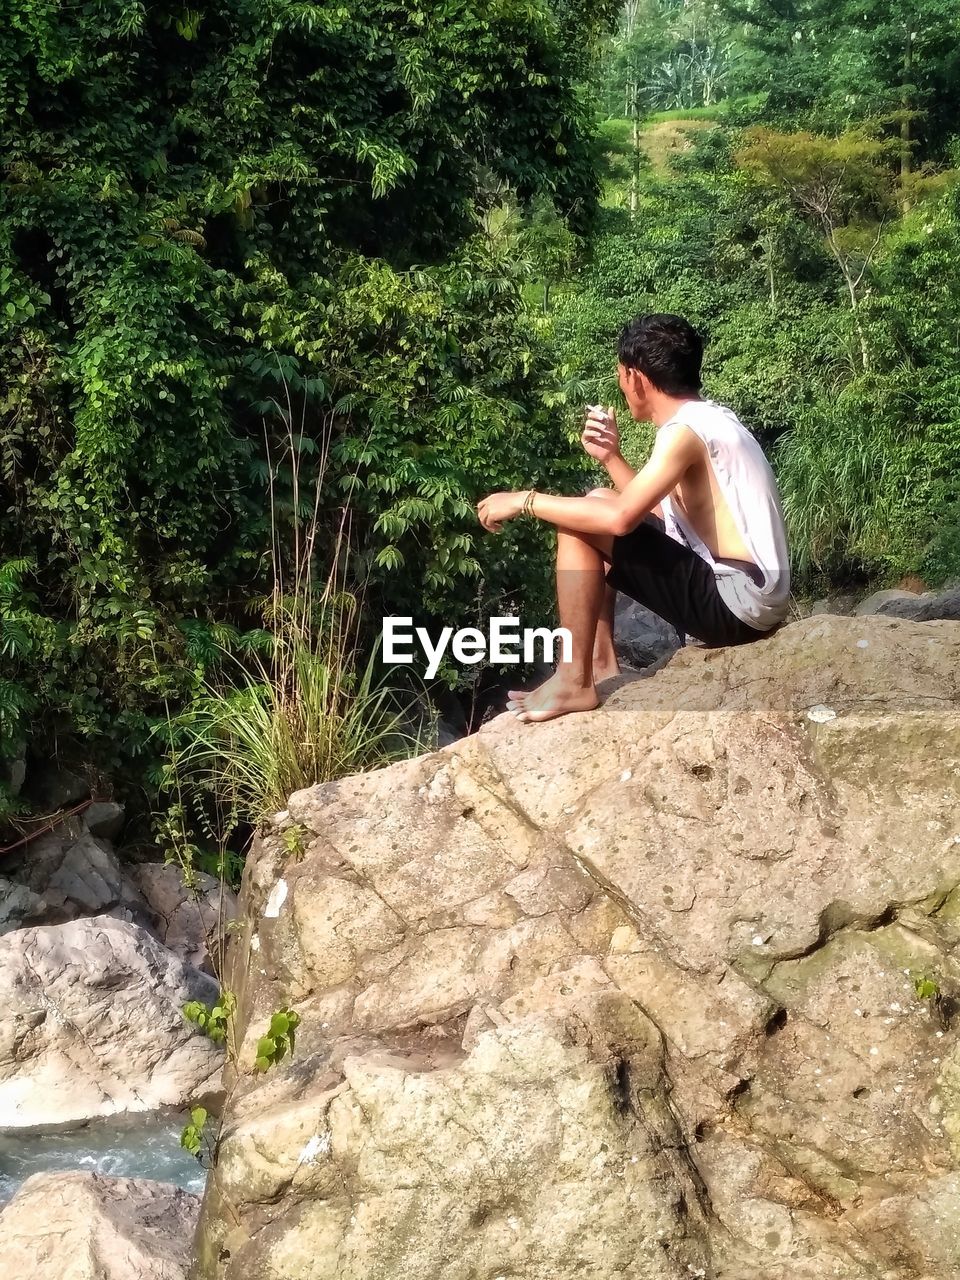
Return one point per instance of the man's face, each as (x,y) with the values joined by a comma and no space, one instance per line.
(634,385)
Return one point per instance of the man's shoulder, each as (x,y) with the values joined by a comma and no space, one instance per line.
(717,425)
(677,436)
(698,414)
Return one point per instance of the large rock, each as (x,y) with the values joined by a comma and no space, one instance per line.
(19,905)
(91,1025)
(661,991)
(930,607)
(843,603)
(50,786)
(879,602)
(83,1226)
(104,818)
(189,919)
(68,873)
(13,770)
(72,872)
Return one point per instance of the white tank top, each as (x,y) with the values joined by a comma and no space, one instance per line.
(746,480)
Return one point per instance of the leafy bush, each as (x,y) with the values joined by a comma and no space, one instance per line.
(202,207)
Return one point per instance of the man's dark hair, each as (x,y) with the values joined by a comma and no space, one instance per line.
(667,349)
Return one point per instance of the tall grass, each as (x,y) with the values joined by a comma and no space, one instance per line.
(307,706)
(309,712)
(846,477)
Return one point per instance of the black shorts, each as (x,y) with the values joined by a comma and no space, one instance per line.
(672,580)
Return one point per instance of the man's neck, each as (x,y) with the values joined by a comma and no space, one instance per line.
(667,407)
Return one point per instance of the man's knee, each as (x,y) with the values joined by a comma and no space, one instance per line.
(600,493)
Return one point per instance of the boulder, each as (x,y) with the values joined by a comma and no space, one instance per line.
(72,872)
(844,604)
(640,636)
(877,600)
(91,1025)
(664,990)
(51,787)
(75,873)
(19,906)
(83,1226)
(13,770)
(932,606)
(187,919)
(104,818)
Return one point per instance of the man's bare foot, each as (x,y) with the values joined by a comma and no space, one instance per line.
(557,696)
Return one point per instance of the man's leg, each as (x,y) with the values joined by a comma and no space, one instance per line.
(605,664)
(582,561)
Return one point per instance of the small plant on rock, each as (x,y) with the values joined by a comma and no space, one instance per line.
(294,840)
(212,1019)
(215,1021)
(194,1138)
(927,988)
(279,1040)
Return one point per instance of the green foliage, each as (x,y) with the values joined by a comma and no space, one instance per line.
(226,865)
(927,988)
(201,1135)
(822,273)
(212,1019)
(193,1137)
(941,555)
(301,718)
(666,56)
(293,839)
(824,64)
(836,181)
(279,1040)
(28,639)
(221,225)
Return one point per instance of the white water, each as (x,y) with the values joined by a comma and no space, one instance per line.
(140,1146)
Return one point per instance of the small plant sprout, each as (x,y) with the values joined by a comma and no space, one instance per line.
(192,1138)
(212,1019)
(927,988)
(279,1040)
(294,839)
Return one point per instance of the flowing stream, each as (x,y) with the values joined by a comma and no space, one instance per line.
(136,1146)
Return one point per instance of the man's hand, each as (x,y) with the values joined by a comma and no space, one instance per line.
(496,508)
(601,437)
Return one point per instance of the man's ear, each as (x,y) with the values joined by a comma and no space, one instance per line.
(638,383)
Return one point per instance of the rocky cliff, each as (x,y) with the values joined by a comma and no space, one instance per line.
(665,990)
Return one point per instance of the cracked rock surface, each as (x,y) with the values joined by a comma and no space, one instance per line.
(91,1024)
(84,1226)
(665,990)
(185,917)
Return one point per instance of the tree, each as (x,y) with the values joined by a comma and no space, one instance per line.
(843,185)
(829,63)
(243,237)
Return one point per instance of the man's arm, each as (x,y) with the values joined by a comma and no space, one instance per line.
(619,471)
(675,450)
(601,440)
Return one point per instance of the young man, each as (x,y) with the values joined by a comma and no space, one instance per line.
(697,535)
